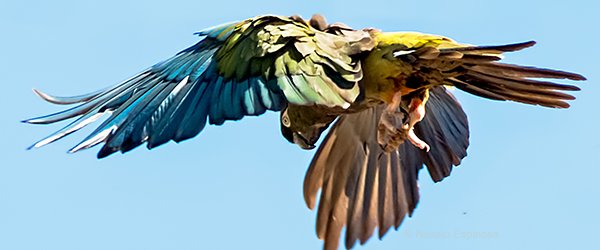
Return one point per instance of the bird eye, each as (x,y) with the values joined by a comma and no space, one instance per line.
(285,120)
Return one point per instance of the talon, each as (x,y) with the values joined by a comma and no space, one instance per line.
(416,141)
(391,131)
(396,124)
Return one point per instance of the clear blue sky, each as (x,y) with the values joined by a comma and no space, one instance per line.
(529,182)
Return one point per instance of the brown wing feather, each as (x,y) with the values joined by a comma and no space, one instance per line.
(364,187)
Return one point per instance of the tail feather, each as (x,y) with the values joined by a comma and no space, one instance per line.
(495,49)
(521,90)
(475,69)
(512,70)
(475,90)
(522,85)
(480,74)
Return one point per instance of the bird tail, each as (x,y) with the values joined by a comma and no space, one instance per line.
(484,76)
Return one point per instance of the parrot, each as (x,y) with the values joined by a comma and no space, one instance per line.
(384,98)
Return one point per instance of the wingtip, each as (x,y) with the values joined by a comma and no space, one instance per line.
(28,121)
(310,203)
(105,151)
(44,96)
(35,120)
(37,92)
(38,144)
(309,198)
(81,146)
(74,149)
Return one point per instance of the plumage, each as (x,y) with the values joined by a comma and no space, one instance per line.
(383,93)
(382,186)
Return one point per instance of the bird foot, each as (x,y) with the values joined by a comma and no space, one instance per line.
(392,130)
(416,141)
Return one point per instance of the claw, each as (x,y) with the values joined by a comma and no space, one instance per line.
(415,140)
(391,131)
(416,114)
(396,124)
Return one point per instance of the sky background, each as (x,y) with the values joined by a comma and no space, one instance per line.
(529,182)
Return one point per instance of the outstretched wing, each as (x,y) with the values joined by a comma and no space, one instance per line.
(236,70)
(363,187)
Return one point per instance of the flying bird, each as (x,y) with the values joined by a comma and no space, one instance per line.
(384,95)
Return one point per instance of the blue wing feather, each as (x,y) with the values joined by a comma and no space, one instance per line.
(128,110)
(216,115)
(218,32)
(63,100)
(165,125)
(172,100)
(196,114)
(237,97)
(132,133)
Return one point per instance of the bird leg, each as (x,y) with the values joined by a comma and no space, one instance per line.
(416,113)
(392,129)
(397,124)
